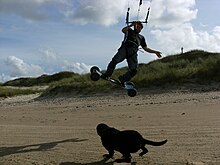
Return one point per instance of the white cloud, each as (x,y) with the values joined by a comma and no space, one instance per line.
(51,61)
(31,9)
(185,36)
(216,33)
(170,13)
(171,26)
(19,68)
(4,78)
(104,12)
(48,55)
(80,68)
(23,8)
(15,67)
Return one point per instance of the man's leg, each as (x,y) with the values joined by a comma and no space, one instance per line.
(132,65)
(111,68)
(119,57)
(128,75)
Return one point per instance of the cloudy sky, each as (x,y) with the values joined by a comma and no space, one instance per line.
(49,36)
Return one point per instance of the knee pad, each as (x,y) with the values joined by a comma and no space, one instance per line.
(133,72)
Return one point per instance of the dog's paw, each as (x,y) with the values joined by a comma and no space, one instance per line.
(107,156)
(141,154)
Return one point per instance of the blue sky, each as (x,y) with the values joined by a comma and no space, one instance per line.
(49,36)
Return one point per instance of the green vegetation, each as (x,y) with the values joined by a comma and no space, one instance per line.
(9,92)
(193,67)
(7,89)
(42,80)
(196,66)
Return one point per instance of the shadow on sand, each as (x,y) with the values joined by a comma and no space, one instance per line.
(101,162)
(4,151)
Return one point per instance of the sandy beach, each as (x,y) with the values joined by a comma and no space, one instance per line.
(62,131)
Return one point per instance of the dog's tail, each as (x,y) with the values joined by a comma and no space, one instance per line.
(153,143)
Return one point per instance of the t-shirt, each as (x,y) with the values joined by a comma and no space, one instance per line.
(134,39)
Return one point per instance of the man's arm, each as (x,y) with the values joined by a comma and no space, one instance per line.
(126,28)
(149,50)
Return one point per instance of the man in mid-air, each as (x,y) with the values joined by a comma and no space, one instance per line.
(128,50)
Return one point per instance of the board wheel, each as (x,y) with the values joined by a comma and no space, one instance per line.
(95,76)
(93,69)
(132,92)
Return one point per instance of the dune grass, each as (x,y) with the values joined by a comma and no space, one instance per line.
(193,67)
(196,66)
(10,92)
(39,81)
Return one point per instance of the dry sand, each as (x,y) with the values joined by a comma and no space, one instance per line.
(62,131)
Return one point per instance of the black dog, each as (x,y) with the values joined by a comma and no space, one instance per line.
(125,142)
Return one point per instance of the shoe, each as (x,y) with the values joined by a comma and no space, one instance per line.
(104,76)
(122,81)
